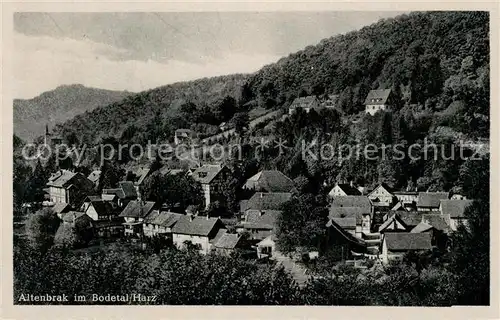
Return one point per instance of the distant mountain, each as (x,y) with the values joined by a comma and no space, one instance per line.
(57,106)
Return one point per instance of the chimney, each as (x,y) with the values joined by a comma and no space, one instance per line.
(191,217)
(351,183)
(262,194)
(208,218)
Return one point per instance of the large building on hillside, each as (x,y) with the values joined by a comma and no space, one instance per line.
(68,187)
(211,176)
(305,103)
(377,100)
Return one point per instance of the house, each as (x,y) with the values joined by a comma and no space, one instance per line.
(134,214)
(100,210)
(430,201)
(260,213)
(396,245)
(124,193)
(382,196)
(331,101)
(197,230)
(266,247)
(160,223)
(262,201)
(260,224)
(394,224)
(211,177)
(270,181)
(183,136)
(305,103)
(377,100)
(341,243)
(94,176)
(74,218)
(455,209)
(344,189)
(227,243)
(407,198)
(61,208)
(68,187)
(361,215)
(352,201)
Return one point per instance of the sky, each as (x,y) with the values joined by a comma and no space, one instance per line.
(140,51)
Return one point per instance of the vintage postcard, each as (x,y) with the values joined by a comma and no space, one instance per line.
(249,155)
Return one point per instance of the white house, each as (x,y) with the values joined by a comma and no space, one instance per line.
(378,100)
(197,230)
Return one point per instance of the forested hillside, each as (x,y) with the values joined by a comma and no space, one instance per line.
(58,105)
(429,59)
(156,113)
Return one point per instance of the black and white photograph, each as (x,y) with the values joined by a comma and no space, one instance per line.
(251,158)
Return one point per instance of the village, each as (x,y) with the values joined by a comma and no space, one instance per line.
(379,224)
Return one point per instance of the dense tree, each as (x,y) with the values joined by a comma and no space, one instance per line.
(41,228)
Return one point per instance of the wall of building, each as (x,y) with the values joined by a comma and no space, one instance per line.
(204,243)
(372,108)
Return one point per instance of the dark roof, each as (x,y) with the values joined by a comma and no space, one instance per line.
(455,208)
(137,209)
(345,234)
(227,241)
(267,201)
(61,178)
(270,181)
(92,198)
(103,208)
(377,96)
(163,218)
(421,227)
(128,189)
(200,226)
(410,193)
(348,212)
(60,207)
(431,199)
(261,220)
(352,201)
(399,241)
(346,223)
(348,189)
(438,221)
(305,102)
(72,216)
(410,218)
(207,172)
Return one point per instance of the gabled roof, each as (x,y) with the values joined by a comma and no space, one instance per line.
(258,220)
(207,172)
(268,241)
(393,219)
(348,189)
(421,227)
(346,223)
(72,216)
(125,190)
(402,241)
(352,201)
(345,234)
(270,181)
(94,176)
(163,218)
(128,189)
(103,208)
(304,102)
(200,226)
(61,178)
(410,218)
(61,207)
(382,186)
(379,96)
(431,199)
(455,208)
(267,201)
(227,241)
(348,212)
(137,209)
(92,198)
(438,221)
